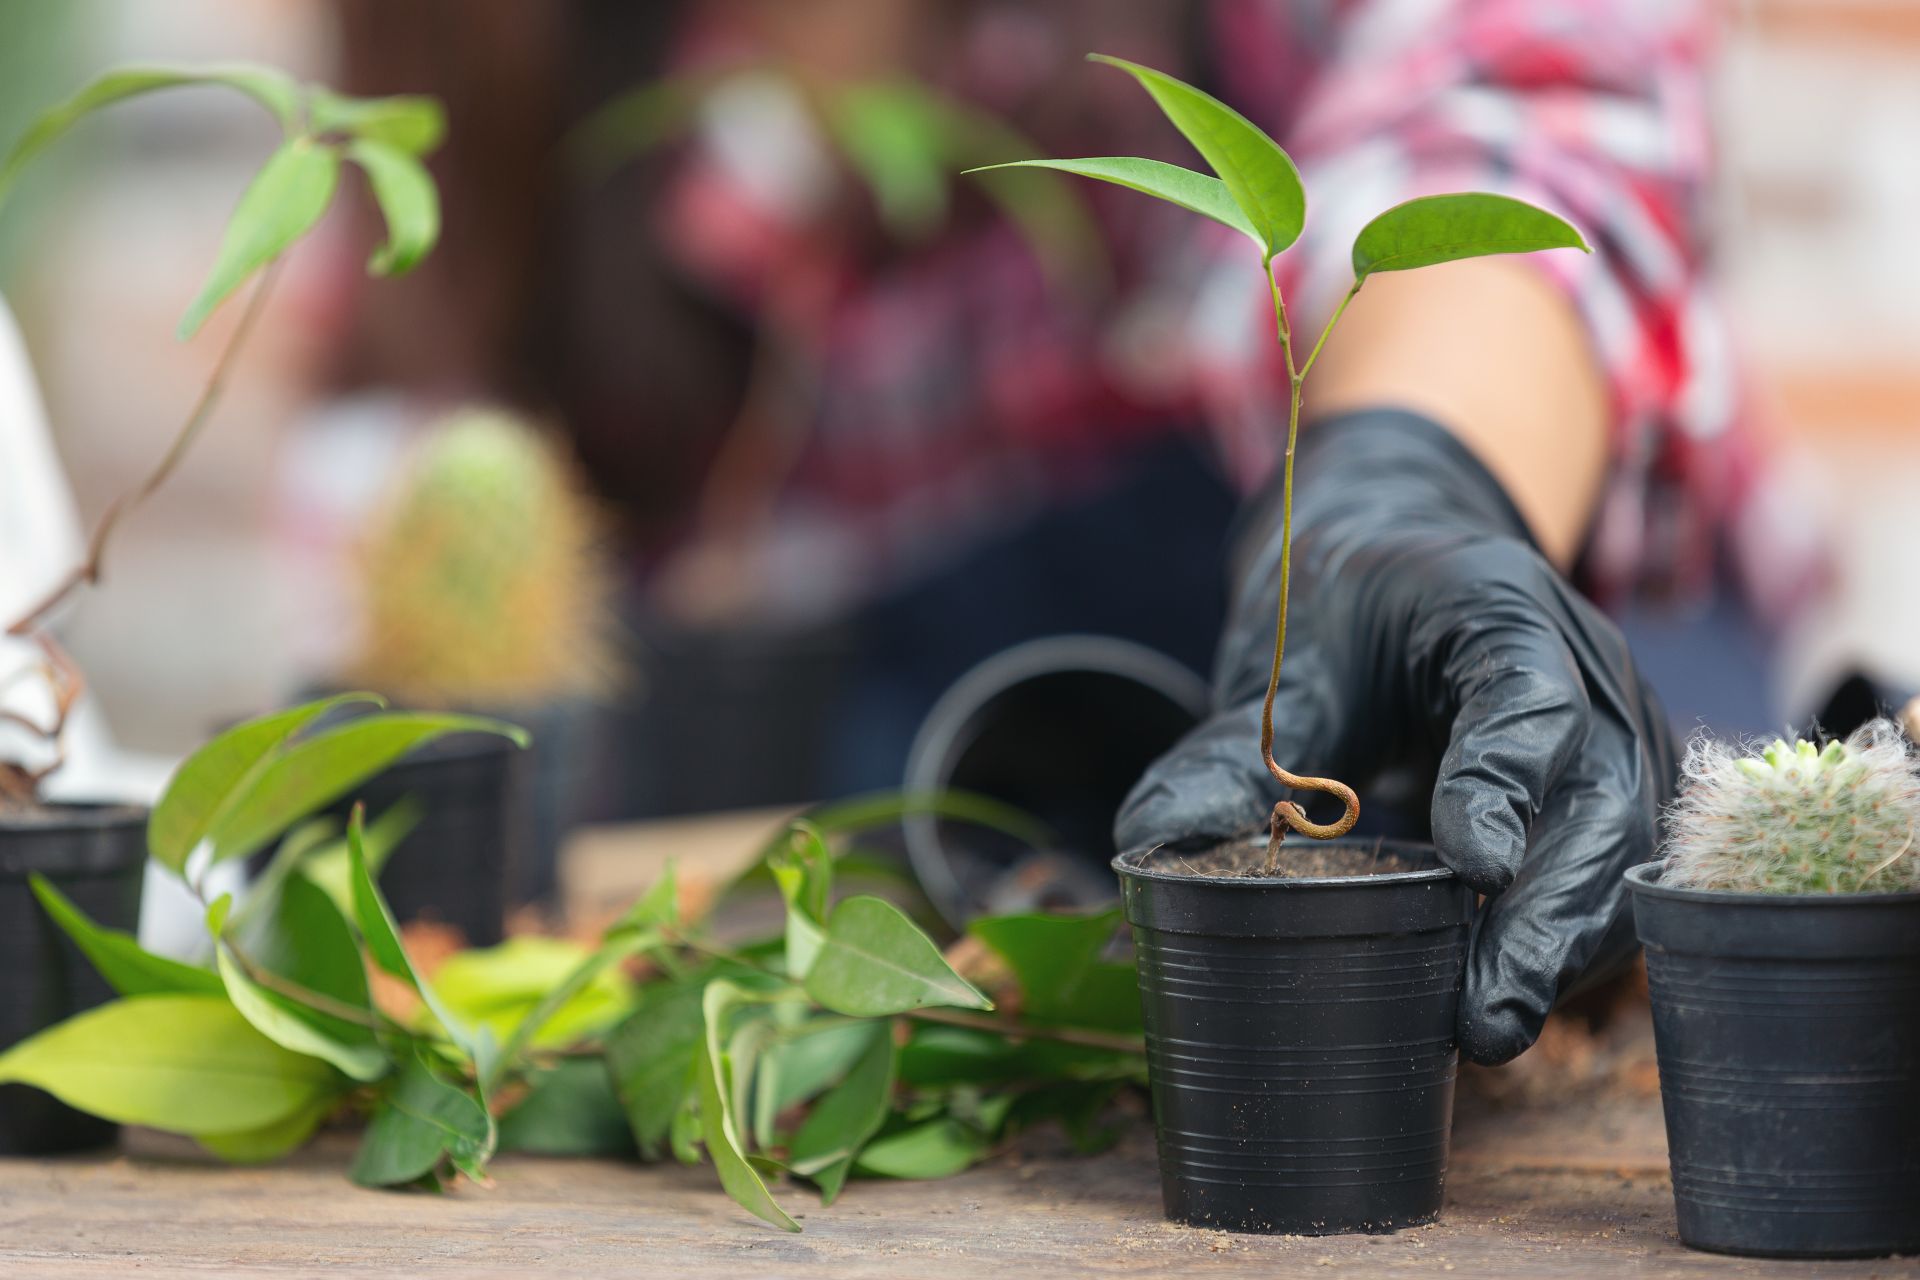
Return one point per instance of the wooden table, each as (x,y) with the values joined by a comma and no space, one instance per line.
(1565,1176)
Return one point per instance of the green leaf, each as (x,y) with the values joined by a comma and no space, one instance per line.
(282,1021)
(894,135)
(266,86)
(1056,960)
(651,1059)
(263,895)
(571,1110)
(408,123)
(283,202)
(540,991)
(1259,176)
(1197,192)
(658,907)
(1471,224)
(128,968)
(269,1142)
(876,962)
(806,1059)
(185,1063)
(211,777)
(718,1124)
(307,774)
(841,1122)
(421,1121)
(935,1149)
(804,873)
(331,870)
(408,201)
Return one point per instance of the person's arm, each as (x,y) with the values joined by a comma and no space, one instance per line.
(1493,351)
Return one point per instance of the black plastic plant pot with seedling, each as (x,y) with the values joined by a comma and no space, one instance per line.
(93,856)
(1300,997)
(1782,932)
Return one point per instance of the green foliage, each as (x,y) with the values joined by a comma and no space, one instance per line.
(1798,819)
(128,968)
(570,1109)
(1435,229)
(422,1124)
(874,961)
(1196,192)
(387,137)
(846,1118)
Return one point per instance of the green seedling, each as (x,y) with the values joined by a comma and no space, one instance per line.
(1255,189)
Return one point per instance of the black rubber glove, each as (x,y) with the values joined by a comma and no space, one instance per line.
(1430,639)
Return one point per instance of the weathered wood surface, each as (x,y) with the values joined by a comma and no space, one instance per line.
(1519,1204)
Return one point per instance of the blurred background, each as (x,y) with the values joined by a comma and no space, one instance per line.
(830,412)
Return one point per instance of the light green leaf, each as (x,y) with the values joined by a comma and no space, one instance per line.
(411,124)
(212,776)
(1259,176)
(1197,192)
(841,1122)
(315,771)
(584,998)
(718,1124)
(266,86)
(284,201)
(876,962)
(934,1149)
(1471,224)
(331,870)
(127,967)
(804,873)
(280,1020)
(658,907)
(185,1063)
(651,1059)
(269,1142)
(408,201)
(570,1110)
(894,135)
(422,1120)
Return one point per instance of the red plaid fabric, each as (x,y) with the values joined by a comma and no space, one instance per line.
(959,387)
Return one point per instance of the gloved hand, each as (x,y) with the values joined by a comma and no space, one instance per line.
(1427,633)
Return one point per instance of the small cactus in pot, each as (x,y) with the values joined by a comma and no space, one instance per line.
(1798,819)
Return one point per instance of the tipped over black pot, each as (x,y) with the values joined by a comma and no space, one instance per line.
(1300,1040)
(94,854)
(1788,1032)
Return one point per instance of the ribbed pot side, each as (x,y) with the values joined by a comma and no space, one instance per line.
(1300,1042)
(1788,1032)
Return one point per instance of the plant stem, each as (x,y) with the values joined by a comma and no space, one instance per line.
(1286,813)
(1084,1037)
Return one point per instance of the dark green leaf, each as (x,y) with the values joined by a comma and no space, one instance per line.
(284,201)
(571,1110)
(876,962)
(421,1121)
(185,1063)
(269,1142)
(1056,960)
(1259,176)
(650,1057)
(1198,192)
(127,967)
(841,1122)
(212,777)
(410,124)
(719,1126)
(331,871)
(266,86)
(805,1060)
(937,1148)
(315,771)
(1472,224)
(408,201)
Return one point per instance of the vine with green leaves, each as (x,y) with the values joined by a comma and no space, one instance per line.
(322,131)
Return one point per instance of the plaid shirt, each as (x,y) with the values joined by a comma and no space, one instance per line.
(958,390)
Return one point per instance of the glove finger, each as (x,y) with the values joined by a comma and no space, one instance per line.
(1214,783)
(1520,711)
(1566,912)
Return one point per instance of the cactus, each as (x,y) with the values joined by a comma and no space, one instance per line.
(481,583)
(1798,819)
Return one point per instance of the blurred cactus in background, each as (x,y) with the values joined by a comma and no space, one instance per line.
(482,586)
(1798,819)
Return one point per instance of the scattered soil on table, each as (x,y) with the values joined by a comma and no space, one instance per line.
(1299,860)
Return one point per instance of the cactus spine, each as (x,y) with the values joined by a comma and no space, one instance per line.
(1798,819)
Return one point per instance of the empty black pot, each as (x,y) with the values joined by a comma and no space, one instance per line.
(1788,1031)
(1059,728)
(94,854)
(1300,1041)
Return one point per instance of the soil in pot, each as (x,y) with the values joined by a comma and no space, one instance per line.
(1299,860)
(1300,1033)
(95,855)
(1788,1034)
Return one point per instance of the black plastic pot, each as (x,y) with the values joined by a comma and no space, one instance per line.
(1300,1042)
(1059,728)
(1788,1031)
(94,854)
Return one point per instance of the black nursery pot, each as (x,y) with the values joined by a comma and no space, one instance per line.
(93,854)
(1300,1041)
(1788,1032)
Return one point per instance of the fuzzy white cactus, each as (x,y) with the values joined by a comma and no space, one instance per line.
(1798,819)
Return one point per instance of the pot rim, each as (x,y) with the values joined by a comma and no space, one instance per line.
(1127,862)
(1644,879)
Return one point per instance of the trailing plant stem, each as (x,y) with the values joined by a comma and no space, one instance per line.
(1287,813)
